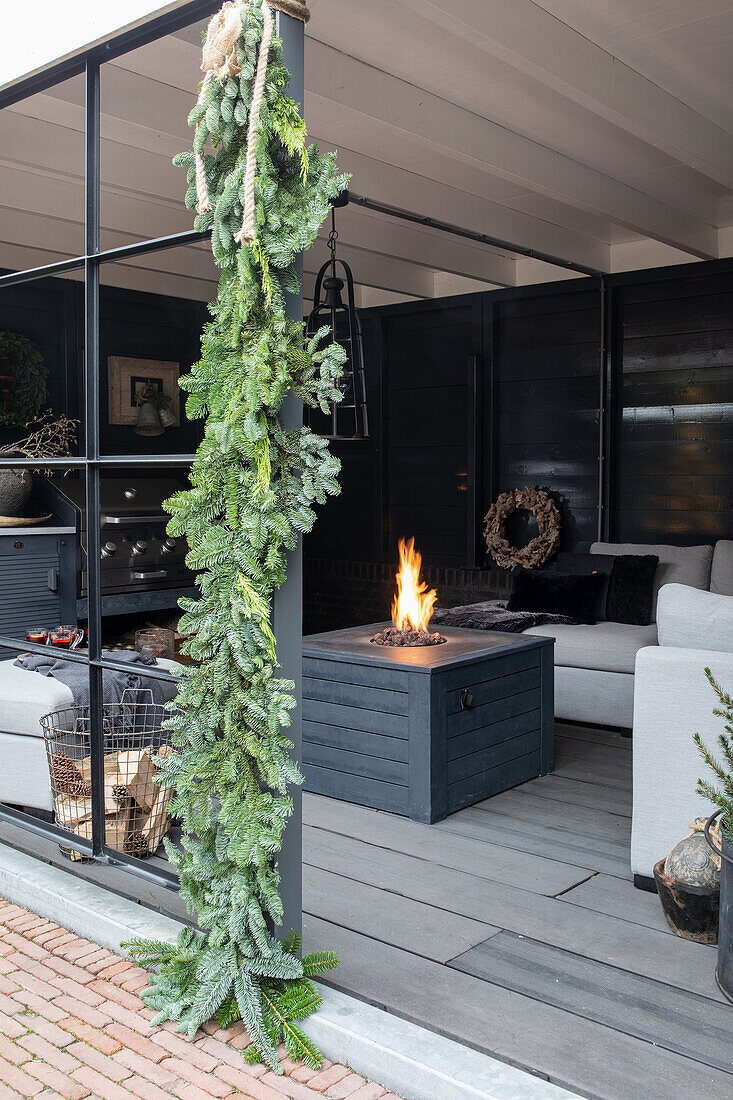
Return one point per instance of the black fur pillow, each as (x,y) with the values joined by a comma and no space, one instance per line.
(630,596)
(566,562)
(574,595)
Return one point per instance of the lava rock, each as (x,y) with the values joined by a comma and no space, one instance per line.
(413,638)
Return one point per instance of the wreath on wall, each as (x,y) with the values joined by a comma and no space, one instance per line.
(536,552)
(23,377)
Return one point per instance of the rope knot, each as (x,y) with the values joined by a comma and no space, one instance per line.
(220,47)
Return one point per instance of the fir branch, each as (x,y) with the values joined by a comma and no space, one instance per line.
(253,485)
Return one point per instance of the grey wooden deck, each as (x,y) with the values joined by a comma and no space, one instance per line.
(513,926)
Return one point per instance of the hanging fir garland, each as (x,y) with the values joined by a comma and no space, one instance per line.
(253,487)
(24,377)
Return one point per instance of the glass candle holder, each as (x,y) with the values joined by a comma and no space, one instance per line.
(63,637)
(37,634)
(156,642)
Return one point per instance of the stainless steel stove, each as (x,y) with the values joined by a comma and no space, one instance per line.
(142,568)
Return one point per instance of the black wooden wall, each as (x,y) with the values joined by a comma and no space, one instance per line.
(475,395)
(672,358)
(545,360)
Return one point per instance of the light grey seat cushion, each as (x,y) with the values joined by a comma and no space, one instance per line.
(721,574)
(688,565)
(608,647)
(594,698)
(690,619)
(26,696)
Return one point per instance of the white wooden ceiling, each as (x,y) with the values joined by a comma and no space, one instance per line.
(598,131)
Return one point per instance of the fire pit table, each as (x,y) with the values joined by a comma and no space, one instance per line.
(425,731)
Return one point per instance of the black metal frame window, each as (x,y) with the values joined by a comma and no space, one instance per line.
(91,462)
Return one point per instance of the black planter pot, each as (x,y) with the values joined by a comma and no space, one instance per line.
(724,972)
(691,911)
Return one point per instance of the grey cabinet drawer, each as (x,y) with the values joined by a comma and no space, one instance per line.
(29,584)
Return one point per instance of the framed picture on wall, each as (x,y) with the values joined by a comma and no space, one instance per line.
(126,380)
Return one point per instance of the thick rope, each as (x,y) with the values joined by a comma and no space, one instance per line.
(220,59)
(248,231)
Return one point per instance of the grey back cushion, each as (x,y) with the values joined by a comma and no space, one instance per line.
(688,565)
(721,575)
(689,619)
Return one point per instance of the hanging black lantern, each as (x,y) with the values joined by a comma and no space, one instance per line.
(348,418)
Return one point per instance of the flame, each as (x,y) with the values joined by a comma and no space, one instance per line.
(413,604)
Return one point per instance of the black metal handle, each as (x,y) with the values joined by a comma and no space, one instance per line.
(466,699)
(708,825)
(133,520)
(53,579)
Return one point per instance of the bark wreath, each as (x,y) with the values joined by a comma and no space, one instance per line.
(547,542)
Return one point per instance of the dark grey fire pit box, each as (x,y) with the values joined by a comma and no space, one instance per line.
(424,732)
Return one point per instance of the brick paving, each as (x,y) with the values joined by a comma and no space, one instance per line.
(72,1025)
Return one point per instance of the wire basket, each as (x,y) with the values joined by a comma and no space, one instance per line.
(135,807)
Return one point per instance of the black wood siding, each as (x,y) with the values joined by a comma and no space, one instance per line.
(546,399)
(429,407)
(672,463)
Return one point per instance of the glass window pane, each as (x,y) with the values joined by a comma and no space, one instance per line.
(146,97)
(152,311)
(42,211)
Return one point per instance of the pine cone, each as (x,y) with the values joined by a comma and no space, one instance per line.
(64,773)
(137,845)
(78,790)
(120,793)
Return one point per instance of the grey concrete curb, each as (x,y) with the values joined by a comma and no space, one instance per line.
(405,1058)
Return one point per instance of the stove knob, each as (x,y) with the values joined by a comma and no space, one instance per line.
(139,547)
(168,546)
(109,549)
(130,494)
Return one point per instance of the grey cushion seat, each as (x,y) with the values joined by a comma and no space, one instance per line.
(606,646)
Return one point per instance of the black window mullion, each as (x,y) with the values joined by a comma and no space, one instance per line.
(91,390)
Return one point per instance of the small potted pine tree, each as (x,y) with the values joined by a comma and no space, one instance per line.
(721,794)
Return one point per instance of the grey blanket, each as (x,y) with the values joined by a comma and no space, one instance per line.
(493,615)
(137,686)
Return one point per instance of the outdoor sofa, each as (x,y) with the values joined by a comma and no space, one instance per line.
(594,665)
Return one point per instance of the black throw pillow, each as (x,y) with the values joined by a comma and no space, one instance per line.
(630,596)
(566,562)
(574,595)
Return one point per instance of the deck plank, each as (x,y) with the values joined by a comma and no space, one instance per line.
(605,894)
(581,760)
(401,922)
(526,806)
(580,792)
(597,936)
(476,856)
(573,1052)
(654,1011)
(578,848)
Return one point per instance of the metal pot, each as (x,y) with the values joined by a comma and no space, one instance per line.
(690,911)
(724,971)
(16,487)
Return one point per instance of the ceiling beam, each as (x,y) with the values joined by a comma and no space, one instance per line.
(384,236)
(435,199)
(52,130)
(524,35)
(349,90)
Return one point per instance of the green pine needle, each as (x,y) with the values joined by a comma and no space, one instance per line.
(253,487)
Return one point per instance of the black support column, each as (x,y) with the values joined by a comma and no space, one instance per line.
(288,602)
